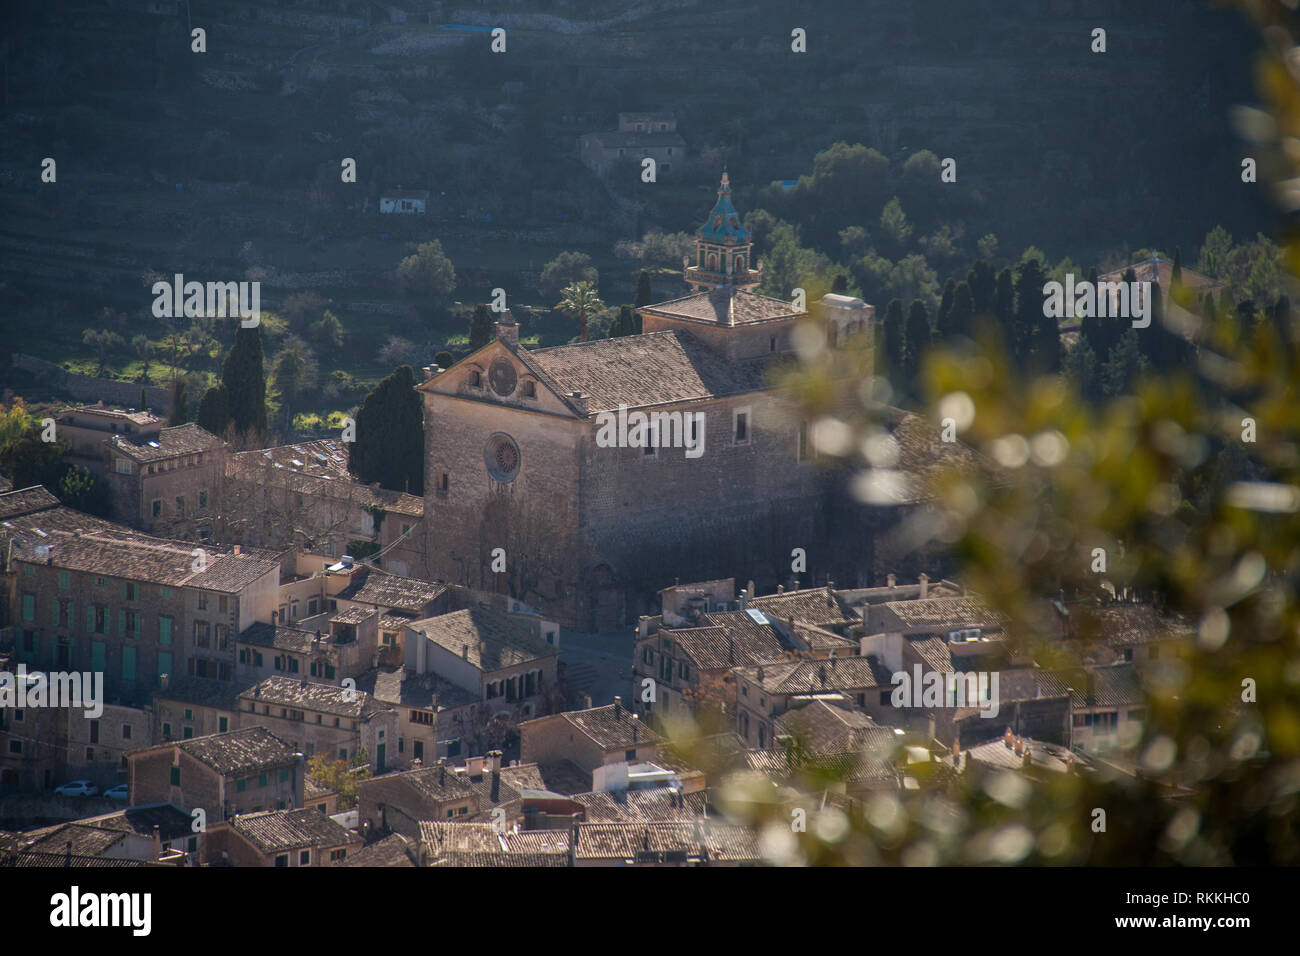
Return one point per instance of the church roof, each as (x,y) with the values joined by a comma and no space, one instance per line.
(723,224)
(650,369)
(725,305)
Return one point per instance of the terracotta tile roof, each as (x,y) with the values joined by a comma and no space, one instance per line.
(309,695)
(354,615)
(440,837)
(825,728)
(494,639)
(801,677)
(318,468)
(393,850)
(656,368)
(627,806)
(140,558)
(395,686)
(722,842)
(935,652)
(54,861)
(1118,685)
(240,752)
(85,840)
(1125,625)
(730,643)
(26,501)
(871,764)
(282,637)
(390,591)
(171,442)
(809,606)
(724,306)
(944,613)
(995,753)
(820,639)
(565,777)
(173,823)
(273,831)
(203,691)
(610,729)
(438,784)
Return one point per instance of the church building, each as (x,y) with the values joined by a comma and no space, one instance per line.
(516,478)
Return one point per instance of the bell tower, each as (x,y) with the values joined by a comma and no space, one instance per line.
(723,251)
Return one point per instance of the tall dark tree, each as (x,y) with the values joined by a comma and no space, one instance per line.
(919,336)
(1091,328)
(1029,310)
(244,376)
(945,306)
(644,294)
(961,317)
(444,359)
(389,446)
(894,356)
(840,284)
(983,282)
(1178,267)
(214,410)
(1004,304)
(626,322)
(481,327)
(179,402)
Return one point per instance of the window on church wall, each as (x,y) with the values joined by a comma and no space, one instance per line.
(740,264)
(475,380)
(713,262)
(741,421)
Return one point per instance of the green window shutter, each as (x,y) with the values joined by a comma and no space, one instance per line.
(55,620)
(128,663)
(123,590)
(97,657)
(261,780)
(241,785)
(164,664)
(223,724)
(65,580)
(121,622)
(139,620)
(176,776)
(29,607)
(164,630)
(284,774)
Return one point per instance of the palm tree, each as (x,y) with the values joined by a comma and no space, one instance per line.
(580,299)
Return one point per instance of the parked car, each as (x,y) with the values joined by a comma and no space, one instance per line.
(120,792)
(77,788)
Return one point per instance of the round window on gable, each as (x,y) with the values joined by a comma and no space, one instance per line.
(502,457)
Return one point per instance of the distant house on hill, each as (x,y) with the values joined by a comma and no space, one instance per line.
(404,203)
(638,135)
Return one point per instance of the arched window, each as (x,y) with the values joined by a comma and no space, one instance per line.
(740,263)
(713,262)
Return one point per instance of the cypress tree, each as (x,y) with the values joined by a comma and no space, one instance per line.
(919,336)
(214,410)
(481,328)
(644,294)
(389,446)
(245,380)
(444,359)
(180,403)
(626,323)
(894,356)
(1004,304)
(1090,328)
(961,316)
(983,286)
(1178,267)
(1028,310)
(945,306)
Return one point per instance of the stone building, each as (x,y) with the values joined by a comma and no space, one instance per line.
(532,490)
(639,136)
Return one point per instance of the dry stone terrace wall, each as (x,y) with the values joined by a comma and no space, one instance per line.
(89,388)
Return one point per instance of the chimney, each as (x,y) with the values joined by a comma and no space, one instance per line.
(618,707)
(760,673)
(237,549)
(581,401)
(1008,739)
(495,758)
(442,772)
(586,702)
(830,593)
(891,580)
(635,724)
(925,585)
(780,589)
(1019,746)
(508,330)
(744,599)
(464,652)
(1028,758)
(157,842)
(956,747)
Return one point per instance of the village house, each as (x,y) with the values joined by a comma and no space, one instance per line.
(279,838)
(242,771)
(639,135)
(317,718)
(397,802)
(587,741)
(501,658)
(163,480)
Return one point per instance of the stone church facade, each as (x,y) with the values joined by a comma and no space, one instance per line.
(515,461)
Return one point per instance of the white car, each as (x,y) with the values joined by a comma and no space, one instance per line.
(120,792)
(77,788)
